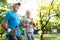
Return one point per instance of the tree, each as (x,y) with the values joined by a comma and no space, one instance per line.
(46,13)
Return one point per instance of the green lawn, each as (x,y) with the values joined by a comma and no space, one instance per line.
(46,37)
(51,38)
(3,39)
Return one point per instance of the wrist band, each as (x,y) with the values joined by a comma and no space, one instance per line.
(9,30)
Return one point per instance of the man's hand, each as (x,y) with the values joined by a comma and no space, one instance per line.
(14,31)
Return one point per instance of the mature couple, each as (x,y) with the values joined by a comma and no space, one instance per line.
(11,24)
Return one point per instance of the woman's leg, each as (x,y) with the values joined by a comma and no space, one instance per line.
(19,38)
(32,36)
(25,33)
(29,36)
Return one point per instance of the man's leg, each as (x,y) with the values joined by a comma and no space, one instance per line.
(10,37)
(19,38)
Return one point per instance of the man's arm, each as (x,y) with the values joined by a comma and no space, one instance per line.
(4,22)
(4,25)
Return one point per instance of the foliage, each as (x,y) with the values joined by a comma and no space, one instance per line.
(47,12)
(4,7)
(2,31)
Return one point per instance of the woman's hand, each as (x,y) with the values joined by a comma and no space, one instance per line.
(23,24)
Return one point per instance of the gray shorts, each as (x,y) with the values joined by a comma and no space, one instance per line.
(29,35)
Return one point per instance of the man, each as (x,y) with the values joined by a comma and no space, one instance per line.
(11,23)
(28,29)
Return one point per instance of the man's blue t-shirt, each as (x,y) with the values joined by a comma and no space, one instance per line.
(13,20)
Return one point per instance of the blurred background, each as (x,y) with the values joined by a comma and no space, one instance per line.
(45,12)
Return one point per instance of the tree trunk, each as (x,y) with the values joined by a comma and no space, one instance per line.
(43,30)
(41,36)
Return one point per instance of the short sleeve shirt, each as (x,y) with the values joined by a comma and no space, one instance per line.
(13,20)
(28,28)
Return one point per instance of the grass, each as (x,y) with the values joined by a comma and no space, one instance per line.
(46,37)
(3,38)
(51,38)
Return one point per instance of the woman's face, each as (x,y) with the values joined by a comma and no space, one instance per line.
(28,14)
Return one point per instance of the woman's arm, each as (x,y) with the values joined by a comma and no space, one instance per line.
(23,24)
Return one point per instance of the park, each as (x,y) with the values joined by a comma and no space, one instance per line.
(45,12)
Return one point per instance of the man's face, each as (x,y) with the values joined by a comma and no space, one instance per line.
(15,7)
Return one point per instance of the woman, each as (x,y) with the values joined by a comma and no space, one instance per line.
(29,26)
